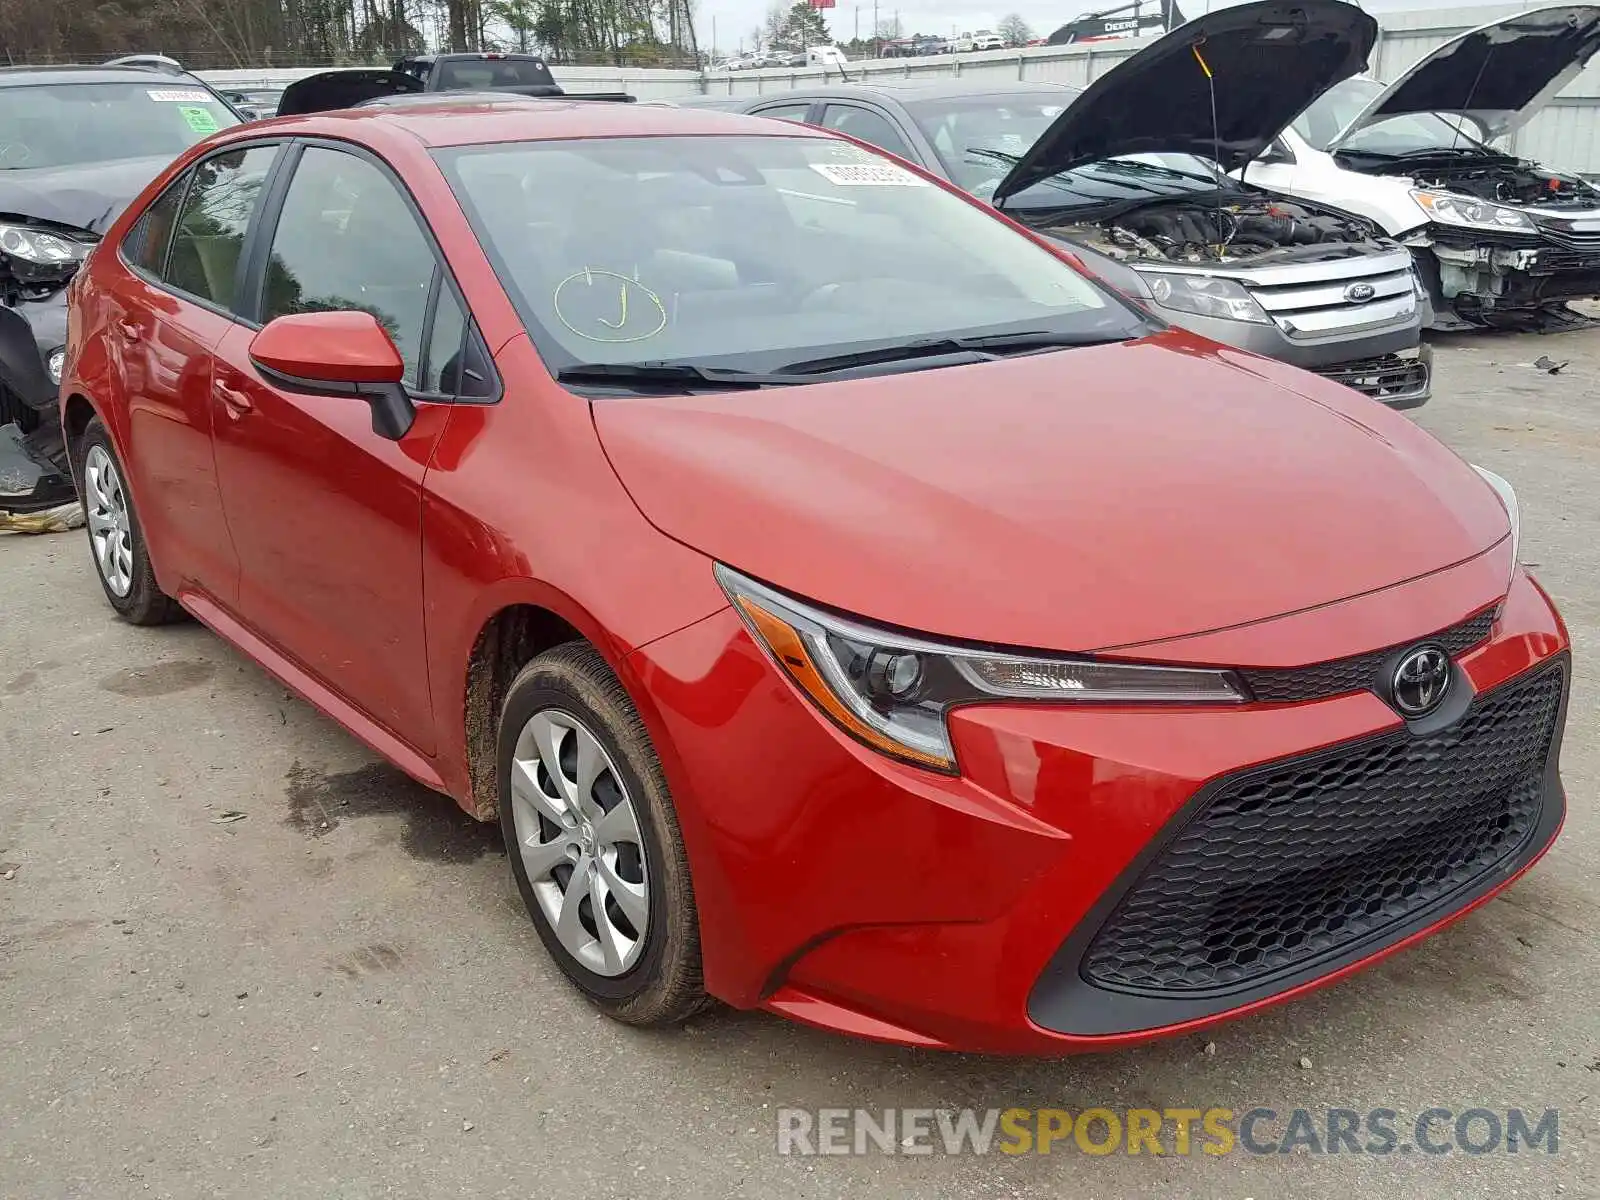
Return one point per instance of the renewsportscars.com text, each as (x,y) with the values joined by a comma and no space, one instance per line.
(1174,1131)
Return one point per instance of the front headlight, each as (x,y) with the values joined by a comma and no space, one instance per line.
(1508,499)
(1449,209)
(893,692)
(38,247)
(54,362)
(1204,296)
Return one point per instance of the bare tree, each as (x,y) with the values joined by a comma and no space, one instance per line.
(1015,30)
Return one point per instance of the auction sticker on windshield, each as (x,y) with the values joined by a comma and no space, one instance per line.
(179,95)
(868,175)
(200,119)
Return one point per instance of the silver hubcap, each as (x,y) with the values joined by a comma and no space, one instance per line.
(110,529)
(579,838)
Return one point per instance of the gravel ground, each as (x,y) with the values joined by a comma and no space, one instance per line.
(339,996)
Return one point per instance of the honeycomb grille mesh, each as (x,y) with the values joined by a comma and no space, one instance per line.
(1293,863)
(1357,673)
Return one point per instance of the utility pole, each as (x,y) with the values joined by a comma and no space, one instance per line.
(877,49)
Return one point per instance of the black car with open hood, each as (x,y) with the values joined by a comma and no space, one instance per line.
(1219,87)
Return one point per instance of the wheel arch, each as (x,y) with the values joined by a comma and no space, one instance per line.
(513,636)
(520,621)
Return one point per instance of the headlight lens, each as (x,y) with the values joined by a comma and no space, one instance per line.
(893,692)
(38,247)
(54,362)
(1449,209)
(1204,295)
(1508,498)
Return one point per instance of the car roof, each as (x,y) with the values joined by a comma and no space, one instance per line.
(26,76)
(449,122)
(913,90)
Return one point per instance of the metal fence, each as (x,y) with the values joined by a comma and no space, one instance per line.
(1566,135)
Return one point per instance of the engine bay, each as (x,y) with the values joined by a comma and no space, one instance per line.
(1250,228)
(1498,178)
(1513,183)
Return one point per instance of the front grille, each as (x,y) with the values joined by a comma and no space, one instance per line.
(1357,673)
(1318,307)
(1388,377)
(1296,861)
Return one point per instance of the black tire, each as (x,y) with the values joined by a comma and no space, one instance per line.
(144,603)
(664,986)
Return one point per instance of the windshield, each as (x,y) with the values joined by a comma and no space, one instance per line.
(68,124)
(749,253)
(979,139)
(486,74)
(1409,134)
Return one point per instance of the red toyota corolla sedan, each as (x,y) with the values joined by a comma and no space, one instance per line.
(845,606)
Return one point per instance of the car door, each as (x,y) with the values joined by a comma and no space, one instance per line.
(325,513)
(167,316)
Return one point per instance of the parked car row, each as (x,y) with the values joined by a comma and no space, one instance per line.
(1125,173)
(1320,217)
(847,604)
(811,56)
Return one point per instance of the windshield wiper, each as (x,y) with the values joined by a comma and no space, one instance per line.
(962,350)
(677,376)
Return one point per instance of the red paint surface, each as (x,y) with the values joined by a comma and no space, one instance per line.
(343,347)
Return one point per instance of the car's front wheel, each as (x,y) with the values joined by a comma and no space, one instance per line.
(121,558)
(594,841)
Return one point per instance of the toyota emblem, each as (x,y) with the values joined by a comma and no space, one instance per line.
(1360,293)
(1420,681)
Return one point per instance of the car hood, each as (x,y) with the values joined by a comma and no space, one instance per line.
(1074,501)
(87,196)
(1500,74)
(331,90)
(1268,61)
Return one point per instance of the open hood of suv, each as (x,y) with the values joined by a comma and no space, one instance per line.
(330,90)
(1500,74)
(1267,61)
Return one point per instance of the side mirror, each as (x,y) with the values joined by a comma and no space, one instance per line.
(338,354)
(1277,151)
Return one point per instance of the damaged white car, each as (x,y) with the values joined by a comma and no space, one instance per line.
(1498,240)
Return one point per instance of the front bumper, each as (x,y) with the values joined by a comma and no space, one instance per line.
(1388,365)
(1491,278)
(30,482)
(29,331)
(862,895)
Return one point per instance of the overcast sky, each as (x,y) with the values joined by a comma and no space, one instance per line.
(736,19)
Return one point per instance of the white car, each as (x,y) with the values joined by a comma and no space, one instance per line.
(984,39)
(1498,240)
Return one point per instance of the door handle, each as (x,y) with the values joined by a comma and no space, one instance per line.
(129,330)
(236,402)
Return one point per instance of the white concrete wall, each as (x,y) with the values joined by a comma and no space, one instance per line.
(1566,135)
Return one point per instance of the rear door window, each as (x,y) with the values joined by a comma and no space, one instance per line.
(868,126)
(216,213)
(786,112)
(145,247)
